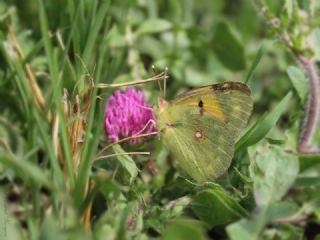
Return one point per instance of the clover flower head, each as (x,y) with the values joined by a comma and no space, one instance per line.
(126,114)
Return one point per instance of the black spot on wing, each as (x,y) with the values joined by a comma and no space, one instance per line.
(200,104)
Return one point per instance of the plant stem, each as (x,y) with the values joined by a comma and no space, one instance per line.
(311,117)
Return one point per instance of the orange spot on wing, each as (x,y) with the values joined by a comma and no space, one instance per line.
(215,110)
(211,106)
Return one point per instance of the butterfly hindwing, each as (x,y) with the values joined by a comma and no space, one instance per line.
(201,143)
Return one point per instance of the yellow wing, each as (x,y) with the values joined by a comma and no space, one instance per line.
(202,145)
(229,102)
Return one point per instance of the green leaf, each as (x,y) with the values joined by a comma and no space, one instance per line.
(287,231)
(252,228)
(308,182)
(215,207)
(184,229)
(228,48)
(49,227)
(281,210)
(315,41)
(126,162)
(260,129)
(299,82)
(255,63)
(196,78)
(153,26)
(289,8)
(247,229)
(116,39)
(26,170)
(273,171)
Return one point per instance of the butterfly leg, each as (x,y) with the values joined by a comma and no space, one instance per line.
(137,135)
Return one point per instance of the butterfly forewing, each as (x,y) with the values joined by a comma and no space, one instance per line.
(230,102)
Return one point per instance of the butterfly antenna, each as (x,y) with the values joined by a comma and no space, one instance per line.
(155,73)
(165,82)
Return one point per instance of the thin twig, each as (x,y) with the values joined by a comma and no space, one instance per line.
(295,219)
(127,139)
(121,154)
(116,85)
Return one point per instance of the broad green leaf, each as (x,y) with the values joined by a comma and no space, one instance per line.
(299,82)
(247,229)
(260,129)
(282,210)
(228,48)
(215,207)
(273,171)
(184,229)
(252,228)
(126,162)
(153,26)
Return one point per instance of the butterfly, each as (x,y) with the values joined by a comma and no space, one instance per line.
(200,127)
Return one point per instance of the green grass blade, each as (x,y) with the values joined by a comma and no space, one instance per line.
(93,130)
(53,68)
(93,34)
(260,129)
(26,170)
(254,65)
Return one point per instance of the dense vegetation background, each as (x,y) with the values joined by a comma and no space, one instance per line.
(54,54)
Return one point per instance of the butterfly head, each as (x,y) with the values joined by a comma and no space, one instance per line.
(162,114)
(162,104)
